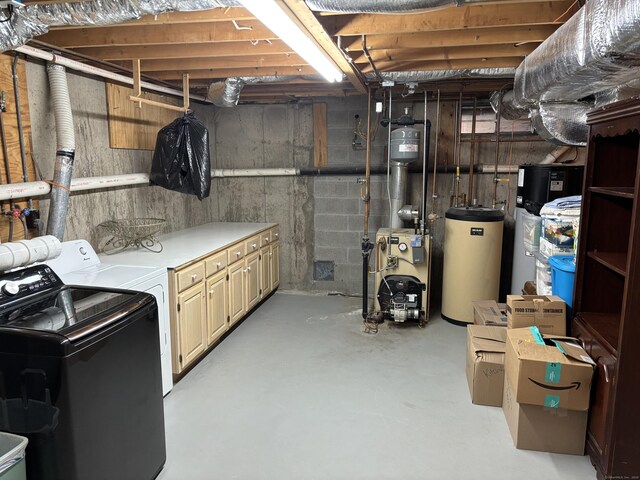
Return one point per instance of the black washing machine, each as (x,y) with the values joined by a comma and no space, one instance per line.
(80,378)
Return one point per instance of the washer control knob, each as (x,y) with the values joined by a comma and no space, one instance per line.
(11,288)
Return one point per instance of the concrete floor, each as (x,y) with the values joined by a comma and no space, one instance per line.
(298,391)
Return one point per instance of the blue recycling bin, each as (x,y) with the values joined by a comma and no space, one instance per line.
(563,272)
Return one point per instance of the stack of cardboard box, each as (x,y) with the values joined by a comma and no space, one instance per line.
(540,377)
(546,391)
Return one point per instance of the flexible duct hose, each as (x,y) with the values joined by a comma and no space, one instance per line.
(65,150)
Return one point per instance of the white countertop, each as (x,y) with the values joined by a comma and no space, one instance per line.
(184,246)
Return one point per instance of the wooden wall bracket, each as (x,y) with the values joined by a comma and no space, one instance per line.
(139,100)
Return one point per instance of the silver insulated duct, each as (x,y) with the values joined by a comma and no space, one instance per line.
(440,75)
(381,6)
(562,123)
(597,49)
(227,93)
(65,151)
(35,19)
(596,52)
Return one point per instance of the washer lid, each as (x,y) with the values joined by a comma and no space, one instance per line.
(475,214)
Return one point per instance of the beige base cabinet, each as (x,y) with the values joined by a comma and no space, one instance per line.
(191,309)
(217,307)
(213,293)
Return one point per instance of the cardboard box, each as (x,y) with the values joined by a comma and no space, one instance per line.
(547,312)
(490,313)
(485,363)
(544,429)
(548,371)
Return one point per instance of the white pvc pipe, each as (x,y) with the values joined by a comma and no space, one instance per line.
(555,155)
(26,252)
(255,172)
(99,72)
(95,183)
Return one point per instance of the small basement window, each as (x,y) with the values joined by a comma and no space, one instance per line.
(486,122)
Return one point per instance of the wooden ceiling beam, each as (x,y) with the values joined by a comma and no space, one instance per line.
(305,17)
(187,50)
(238,14)
(455,38)
(380,57)
(457,64)
(451,18)
(224,73)
(157,34)
(186,64)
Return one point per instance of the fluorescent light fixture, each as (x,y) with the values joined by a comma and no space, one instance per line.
(274,18)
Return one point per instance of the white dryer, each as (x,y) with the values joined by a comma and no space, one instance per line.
(78,264)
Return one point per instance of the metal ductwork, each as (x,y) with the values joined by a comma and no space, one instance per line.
(596,52)
(508,108)
(382,6)
(440,75)
(227,93)
(597,49)
(562,123)
(35,19)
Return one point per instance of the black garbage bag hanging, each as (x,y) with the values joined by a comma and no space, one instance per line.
(181,159)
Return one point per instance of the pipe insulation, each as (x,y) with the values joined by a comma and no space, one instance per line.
(65,150)
(382,6)
(34,19)
(562,123)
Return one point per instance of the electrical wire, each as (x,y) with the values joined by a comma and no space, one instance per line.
(10,14)
(566,11)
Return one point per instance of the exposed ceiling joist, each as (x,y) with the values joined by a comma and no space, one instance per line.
(448,53)
(222,73)
(455,18)
(185,64)
(187,50)
(456,38)
(507,62)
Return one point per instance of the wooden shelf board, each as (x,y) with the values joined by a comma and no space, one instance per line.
(623,192)
(604,326)
(616,261)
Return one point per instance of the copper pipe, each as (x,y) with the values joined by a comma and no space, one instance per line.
(370,60)
(472,155)
(435,157)
(495,171)
(458,149)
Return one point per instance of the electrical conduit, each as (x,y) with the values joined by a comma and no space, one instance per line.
(65,151)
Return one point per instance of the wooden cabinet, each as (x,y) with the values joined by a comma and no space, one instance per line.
(217,307)
(252,280)
(236,292)
(607,287)
(191,309)
(265,271)
(214,292)
(275,265)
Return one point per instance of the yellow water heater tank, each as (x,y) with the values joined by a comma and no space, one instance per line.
(472,255)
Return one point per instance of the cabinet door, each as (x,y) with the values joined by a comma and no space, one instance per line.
(603,380)
(252,275)
(275,265)
(217,310)
(191,324)
(265,271)
(236,292)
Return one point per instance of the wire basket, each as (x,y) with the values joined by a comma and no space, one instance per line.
(132,232)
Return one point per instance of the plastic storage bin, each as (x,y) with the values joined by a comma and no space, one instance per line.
(543,275)
(12,466)
(531,228)
(563,271)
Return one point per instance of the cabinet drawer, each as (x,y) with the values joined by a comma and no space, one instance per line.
(215,263)
(190,276)
(265,238)
(235,253)
(252,245)
(275,234)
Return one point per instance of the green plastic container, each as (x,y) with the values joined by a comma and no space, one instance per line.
(12,466)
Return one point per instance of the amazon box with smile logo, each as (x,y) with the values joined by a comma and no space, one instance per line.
(552,372)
